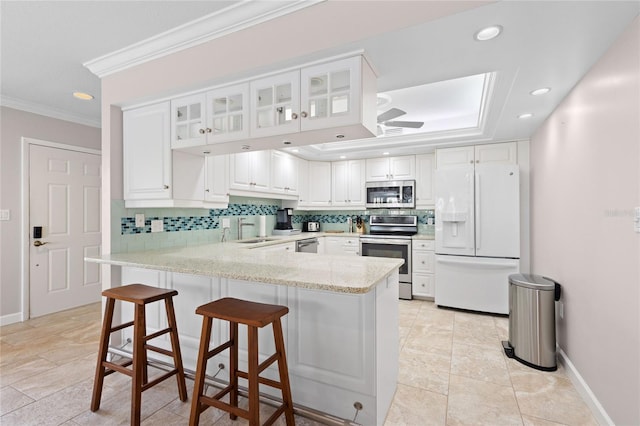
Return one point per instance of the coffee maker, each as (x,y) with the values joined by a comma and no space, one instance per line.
(283,219)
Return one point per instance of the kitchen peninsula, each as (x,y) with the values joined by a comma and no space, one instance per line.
(341,332)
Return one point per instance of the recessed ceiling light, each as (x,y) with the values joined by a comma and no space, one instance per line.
(385,153)
(83,96)
(488,33)
(342,157)
(526,115)
(295,150)
(540,91)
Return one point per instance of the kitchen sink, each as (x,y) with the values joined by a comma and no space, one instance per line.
(257,240)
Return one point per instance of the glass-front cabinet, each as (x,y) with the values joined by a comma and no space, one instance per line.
(275,105)
(330,94)
(219,115)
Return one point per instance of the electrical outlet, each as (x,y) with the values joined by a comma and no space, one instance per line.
(226,222)
(139,220)
(157,225)
(5,215)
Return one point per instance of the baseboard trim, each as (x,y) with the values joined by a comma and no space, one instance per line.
(584,390)
(10,319)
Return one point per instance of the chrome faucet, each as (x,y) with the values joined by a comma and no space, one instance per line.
(240,225)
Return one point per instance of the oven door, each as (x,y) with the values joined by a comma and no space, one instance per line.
(394,248)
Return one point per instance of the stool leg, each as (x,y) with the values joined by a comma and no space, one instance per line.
(233,366)
(254,402)
(139,363)
(102,354)
(201,369)
(284,372)
(175,346)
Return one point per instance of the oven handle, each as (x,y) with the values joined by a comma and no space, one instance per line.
(385,241)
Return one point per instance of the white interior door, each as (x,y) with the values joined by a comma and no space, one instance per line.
(64,199)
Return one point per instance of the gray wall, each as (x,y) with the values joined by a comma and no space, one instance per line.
(16,124)
(585,181)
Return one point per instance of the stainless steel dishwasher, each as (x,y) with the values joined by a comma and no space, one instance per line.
(308,245)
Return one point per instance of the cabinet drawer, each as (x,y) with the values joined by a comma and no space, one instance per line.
(424,245)
(423,261)
(423,285)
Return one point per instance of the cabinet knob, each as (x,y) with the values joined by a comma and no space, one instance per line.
(201,131)
(166,187)
(303,114)
(209,130)
(294,116)
(206,190)
(477,161)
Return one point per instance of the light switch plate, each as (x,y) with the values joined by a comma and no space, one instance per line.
(5,214)
(157,226)
(139,220)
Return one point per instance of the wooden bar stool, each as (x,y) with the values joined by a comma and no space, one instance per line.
(140,295)
(253,315)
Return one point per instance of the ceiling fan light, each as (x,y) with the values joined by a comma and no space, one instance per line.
(488,33)
(541,91)
(525,116)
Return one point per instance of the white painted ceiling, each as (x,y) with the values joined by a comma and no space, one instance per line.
(544,44)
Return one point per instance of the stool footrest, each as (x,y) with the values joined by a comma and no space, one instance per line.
(159,379)
(120,368)
(261,380)
(271,420)
(222,347)
(157,334)
(121,326)
(267,362)
(224,406)
(159,350)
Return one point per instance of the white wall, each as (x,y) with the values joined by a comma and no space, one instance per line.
(16,124)
(585,181)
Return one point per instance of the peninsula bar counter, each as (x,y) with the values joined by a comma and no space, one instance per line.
(341,333)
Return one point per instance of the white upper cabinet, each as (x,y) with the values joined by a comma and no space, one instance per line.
(284,173)
(499,153)
(216,116)
(425,168)
(275,105)
(348,179)
(216,179)
(331,94)
(250,171)
(147,169)
(189,127)
(391,168)
(316,189)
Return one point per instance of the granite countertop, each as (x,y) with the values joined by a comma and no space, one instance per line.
(337,273)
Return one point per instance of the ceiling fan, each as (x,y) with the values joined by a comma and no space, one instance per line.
(386,119)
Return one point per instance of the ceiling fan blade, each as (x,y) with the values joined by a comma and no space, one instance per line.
(390,115)
(411,124)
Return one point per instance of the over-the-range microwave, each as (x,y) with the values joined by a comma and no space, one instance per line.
(391,194)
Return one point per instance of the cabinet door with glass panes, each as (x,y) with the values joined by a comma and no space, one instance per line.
(188,125)
(275,105)
(227,113)
(330,94)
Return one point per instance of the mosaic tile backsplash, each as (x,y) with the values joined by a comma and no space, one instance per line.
(212,221)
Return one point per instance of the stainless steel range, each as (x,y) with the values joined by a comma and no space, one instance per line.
(390,236)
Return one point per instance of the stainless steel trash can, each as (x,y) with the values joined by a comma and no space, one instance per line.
(532,321)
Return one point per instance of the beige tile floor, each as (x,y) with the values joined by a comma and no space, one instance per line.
(452,371)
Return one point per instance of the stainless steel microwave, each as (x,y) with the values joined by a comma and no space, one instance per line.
(391,194)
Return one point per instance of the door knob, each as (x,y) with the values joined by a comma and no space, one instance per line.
(38,243)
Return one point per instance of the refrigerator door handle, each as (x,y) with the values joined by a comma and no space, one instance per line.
(475,265)
(477,210)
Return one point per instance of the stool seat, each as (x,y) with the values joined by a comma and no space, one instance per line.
(254,315)
(242,311)
(140,295)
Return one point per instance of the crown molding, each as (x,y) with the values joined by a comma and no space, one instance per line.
(239,16)
(47,111)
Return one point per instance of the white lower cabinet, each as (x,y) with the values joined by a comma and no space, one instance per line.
(342,245)
(423,262)
(338,345)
